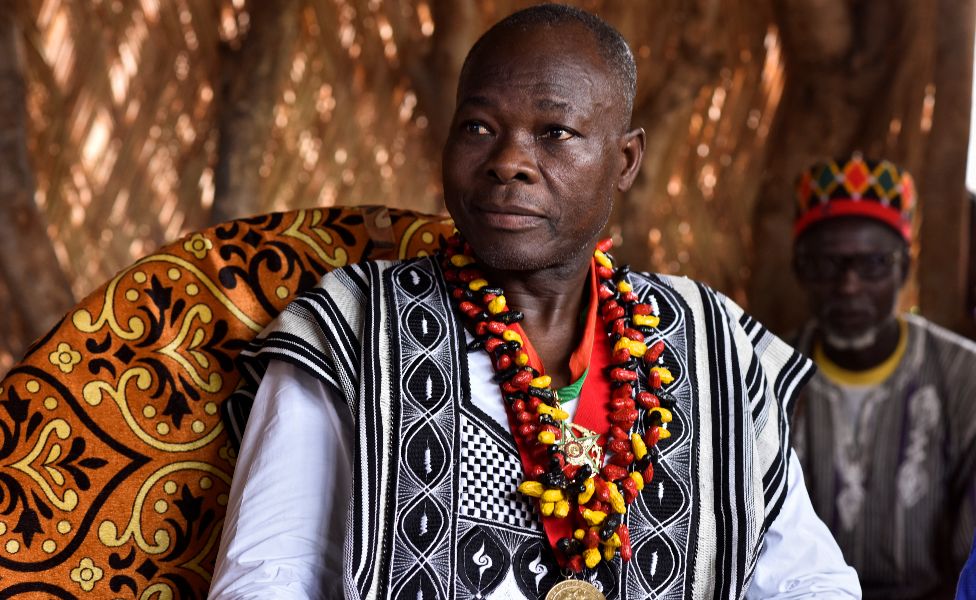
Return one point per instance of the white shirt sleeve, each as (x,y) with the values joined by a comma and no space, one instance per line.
(800,558)
(286,515)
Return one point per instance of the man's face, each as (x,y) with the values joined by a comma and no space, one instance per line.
(537,147)
(852,270)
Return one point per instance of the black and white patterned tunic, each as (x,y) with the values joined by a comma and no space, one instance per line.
(435,512)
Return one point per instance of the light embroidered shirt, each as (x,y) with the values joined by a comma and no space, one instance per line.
(889,457)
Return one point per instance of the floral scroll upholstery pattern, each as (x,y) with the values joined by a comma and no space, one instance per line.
(114,465)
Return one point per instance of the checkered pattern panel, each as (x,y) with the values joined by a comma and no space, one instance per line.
(490,476)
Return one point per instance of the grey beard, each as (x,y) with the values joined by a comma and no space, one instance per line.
(859,342)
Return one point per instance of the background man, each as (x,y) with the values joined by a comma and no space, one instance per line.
(413,436)
(886,430)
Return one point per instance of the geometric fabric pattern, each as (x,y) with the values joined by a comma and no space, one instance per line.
(855,186)
(114,464)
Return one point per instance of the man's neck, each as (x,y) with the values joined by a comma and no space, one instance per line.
(861,359)
(551,301)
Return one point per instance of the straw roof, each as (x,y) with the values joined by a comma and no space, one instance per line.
(148,119)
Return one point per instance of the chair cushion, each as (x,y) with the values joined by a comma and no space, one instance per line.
(114,464)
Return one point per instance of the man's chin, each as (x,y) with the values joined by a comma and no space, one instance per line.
(851,340)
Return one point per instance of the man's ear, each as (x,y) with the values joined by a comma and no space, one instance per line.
(632,149)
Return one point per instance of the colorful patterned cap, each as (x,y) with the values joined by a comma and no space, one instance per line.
(855,187)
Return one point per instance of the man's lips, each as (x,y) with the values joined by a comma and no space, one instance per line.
(512,218)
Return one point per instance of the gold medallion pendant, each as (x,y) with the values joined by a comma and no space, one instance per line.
(574,589)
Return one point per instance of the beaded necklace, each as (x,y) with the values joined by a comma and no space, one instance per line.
(571,479)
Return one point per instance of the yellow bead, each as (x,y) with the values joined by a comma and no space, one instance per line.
(593,517)
(552,495)
(662,433)
(638,480)
(553,411)
(547,508)
(531,488)
(636,349)
(588,488)
(497,305)
(614,541)
(511,336)
(616,499)
(477,284)
(542,381)
(624,287)
(579,534)
(461,260)
(561,510)
(640,448)
(609,552)
(602,259)
(666,376)
(647,320)
(547,437)
(522,359)
(665,413)
(591,556)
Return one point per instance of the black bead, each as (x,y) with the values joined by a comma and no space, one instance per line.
(506,374)
(667,400)
(544,394)
(510,316)
(553,479)
(491,290)
(547,420)
(477,343)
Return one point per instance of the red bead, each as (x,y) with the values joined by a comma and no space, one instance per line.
(621,356)
(450,275)
(624,391)
(619,374)
(469,275)
(622,459)
(536,472)
(648,474)
(521,379)
(569,470)
(591,539)
(626,552)
(615,313)
(629,297)
(655,379)
(575,564)
(604,292)
(488,298)
(613,472)
(496,327)
(601,492)
(642,309)
(619,446)
(504,362)
(518,405)
(534,403)
(648,400)
(466,307)
(604,245)
(527,430)
(654,352)
(634,335)
(456,293)
(630,489)
(618,433)
(651,436)
(492,343)
(524,417)
(604,273)
(481,329)
(618,326)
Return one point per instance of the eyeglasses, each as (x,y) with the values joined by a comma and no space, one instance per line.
(869,266)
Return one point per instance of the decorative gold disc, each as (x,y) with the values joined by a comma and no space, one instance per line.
(574,589)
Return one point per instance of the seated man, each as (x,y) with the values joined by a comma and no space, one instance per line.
(520,417)
(886,430)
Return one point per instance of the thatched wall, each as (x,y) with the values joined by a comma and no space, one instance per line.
(148,119)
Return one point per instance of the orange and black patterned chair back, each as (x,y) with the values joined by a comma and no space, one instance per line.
(114,464)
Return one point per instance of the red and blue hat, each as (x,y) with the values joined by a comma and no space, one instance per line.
(855,187)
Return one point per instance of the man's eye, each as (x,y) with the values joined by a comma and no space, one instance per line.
(558,133)
(475,128)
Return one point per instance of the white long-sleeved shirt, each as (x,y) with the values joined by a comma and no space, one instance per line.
(283,533)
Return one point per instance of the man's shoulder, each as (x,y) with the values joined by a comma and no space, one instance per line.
(938,336)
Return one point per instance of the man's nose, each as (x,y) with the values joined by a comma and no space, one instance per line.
(513,160)
(848,281)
